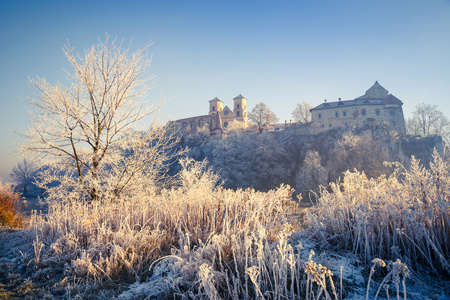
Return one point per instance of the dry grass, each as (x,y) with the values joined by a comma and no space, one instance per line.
(406,215)
(229,243)
(201,241)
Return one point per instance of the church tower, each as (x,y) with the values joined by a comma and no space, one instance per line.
(215,105)
(240,108)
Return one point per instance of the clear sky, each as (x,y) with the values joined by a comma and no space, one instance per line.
(276,52)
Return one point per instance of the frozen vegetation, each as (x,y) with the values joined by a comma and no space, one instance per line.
(304,161)
(199,240)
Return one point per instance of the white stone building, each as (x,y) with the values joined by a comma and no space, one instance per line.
(375,107)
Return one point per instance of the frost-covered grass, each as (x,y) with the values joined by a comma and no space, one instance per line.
(406,216)
(198,240)
(233,244)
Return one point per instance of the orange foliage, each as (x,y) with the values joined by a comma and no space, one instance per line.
(10,206)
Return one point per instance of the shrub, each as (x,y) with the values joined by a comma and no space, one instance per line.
(10,206)
(405,215)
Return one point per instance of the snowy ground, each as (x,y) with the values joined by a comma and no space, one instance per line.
(20,278)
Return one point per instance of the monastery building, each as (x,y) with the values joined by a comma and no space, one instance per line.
(375,107)
(218,118)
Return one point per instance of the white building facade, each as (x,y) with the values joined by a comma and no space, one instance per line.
(375,108)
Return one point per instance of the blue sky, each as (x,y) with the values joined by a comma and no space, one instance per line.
(276,52)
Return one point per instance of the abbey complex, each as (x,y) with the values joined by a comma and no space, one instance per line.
(218,118)
(377,107)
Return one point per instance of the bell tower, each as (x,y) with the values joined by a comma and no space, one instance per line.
(215,106)
(240,108)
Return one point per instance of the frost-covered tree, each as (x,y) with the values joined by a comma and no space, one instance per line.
(236,127)
(23,175)
(430,119)
(358,152)
(262,116)
(301,112)
(87,131)
(311,173)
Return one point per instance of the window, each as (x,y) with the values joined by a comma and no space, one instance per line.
(392,112)
(320,116)
(344,113)
(237,114)
(226,112)
(237,106)
(329,125)
(225,124)
(213,109)
(377,112)
(323,126)
(346,124)
(336,114)
(363,112)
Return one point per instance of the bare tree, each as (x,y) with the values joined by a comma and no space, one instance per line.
(430,119)
(301,113)
(87,132)
(412,126)
(262,116)
(23,174)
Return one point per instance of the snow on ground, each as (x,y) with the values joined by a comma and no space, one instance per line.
(19,279)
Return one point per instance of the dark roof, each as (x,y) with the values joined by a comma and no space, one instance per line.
(215,99)
(376,91)
(375,95)
(342,103)
(239,97)
(391,99)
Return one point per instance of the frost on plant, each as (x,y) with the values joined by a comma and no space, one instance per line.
(405,215)
(87,131)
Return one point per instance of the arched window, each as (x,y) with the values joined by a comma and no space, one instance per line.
(214,108)
(320,116)
(237,114)
(225,124)
(237,106)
